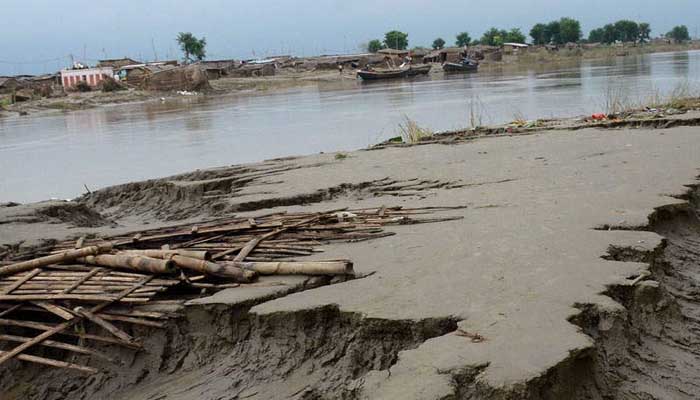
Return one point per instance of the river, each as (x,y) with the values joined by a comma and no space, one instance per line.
(58,155)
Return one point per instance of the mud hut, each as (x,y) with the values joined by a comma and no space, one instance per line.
(190,77)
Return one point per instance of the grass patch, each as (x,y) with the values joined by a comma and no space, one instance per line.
(62,105)
(413,133)
(341,156)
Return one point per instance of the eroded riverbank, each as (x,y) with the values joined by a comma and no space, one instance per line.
(535,294)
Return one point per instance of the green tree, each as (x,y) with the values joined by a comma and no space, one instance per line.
(596,35)
(514,36)
(493,37)
(374,45)
(569,31)
(644,32)
(463,39)
(610,34)
(396,40)
(679,33)
(552,33)
(627,31)
(191,46)
(438,44)
(538,33)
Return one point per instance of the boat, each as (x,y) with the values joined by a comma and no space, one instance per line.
(418,70)
(466,65)
(403,72)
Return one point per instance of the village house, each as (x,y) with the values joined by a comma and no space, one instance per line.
(117,63)
(448,54)
(514,48)
(92,76)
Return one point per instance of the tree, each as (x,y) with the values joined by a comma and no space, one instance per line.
(514,36)
(552,33)
(463,39)
(627,31)
(396,40)
(644,32)
(610,34)
(191,46)
(493,37)
(569,31)
(374,45)
(538,33)
(438,44)
(596,35)
(679,33)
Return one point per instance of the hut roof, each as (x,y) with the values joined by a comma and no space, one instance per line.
(117,62)
(392,51)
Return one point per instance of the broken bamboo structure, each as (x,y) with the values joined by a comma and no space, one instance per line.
(106,283)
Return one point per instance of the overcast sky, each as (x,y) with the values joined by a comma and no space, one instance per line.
(38,35)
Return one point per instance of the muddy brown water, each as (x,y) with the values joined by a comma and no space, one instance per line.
(54,156)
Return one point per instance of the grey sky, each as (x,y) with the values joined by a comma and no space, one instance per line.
(37,35)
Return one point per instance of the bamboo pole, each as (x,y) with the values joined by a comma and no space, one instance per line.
(106,325)
(135,263)
(165,254)
(50,362)
(66,256)
(299,268)
(209,268)
(59,345)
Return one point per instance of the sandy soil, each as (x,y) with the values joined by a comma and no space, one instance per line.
(556,284)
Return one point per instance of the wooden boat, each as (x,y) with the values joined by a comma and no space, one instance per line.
(418,70)
(372,75)
(466,65)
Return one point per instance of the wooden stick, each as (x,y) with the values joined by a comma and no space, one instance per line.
(82,280)
(108,326)
(60,327)
(54,309)
(45,327)
(50,362)
(59,345)
(54,259)
(25,278)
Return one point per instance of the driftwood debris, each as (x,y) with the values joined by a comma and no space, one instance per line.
(105,284)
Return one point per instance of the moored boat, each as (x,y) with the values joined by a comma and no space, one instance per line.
(372,75)
(466,65)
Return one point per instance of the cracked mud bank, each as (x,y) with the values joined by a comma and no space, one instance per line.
(525,298)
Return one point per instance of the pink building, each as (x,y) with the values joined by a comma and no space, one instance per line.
(93,76)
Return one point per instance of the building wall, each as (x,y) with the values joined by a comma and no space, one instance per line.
(93,76)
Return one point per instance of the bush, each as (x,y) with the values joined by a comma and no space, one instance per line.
(111,85)
(82,86)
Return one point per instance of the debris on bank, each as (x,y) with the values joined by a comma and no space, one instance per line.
(104,286)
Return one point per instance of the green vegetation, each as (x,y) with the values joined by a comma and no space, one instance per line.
(496,37)
(623,31)
(375,45)
(463,39)
(438,44)
(679,33)
(341,156)
(411,132)
(191,46)
(396,40)
(563,31)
